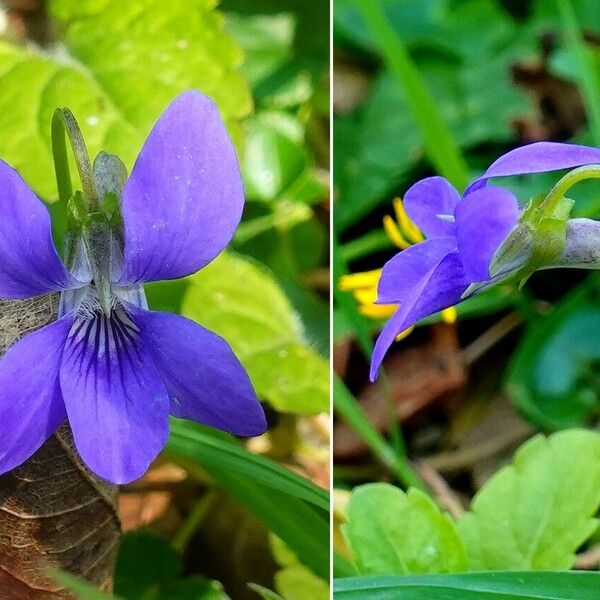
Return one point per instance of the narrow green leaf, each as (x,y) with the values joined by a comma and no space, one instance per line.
(264,593)
(290,506)
(440,146)
(535,513)
(587,73)
(348,408)
(473,586)
(209,447)
(390,532)
(304,529)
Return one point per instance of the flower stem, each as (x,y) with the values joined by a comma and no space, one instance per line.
(64,125)
(557,193)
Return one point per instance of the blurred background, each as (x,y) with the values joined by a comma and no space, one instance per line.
(464,388)
(227,513)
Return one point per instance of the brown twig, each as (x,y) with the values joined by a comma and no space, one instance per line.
(457,460)
(444,494)
(489,338)
(590,559)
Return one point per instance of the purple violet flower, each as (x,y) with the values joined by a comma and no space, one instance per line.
(109,365)
(465,233)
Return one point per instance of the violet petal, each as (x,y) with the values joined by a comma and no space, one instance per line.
(430,204)
(29,263)
(406,269)
(440,288)
(483,220)
(31,404)
(538,157)
(115,399)
(184,198)
(205,380)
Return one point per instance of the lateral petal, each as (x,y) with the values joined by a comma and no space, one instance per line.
(31,405)
(404,271)
(29,263)
(483,220)
(440,288)
(204,378)
(430,204)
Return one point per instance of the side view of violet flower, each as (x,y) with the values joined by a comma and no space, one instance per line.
(483,237)
(109,365)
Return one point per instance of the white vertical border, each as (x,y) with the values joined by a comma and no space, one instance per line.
(331,284)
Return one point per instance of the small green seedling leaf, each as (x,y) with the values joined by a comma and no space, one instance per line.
(535,513)
(390,532)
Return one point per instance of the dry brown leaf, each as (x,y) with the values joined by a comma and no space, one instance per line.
(417,377)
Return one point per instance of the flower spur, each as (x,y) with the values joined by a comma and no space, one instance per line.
(109,365)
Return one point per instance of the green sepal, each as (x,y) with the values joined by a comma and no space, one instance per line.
(537,240)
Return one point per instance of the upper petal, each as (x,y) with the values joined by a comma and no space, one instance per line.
(483,220)
(428,202)
(115,399)
(184,198)
(538,157)
(205,380)
(31,405)
(439,288)
(404,271)
(29,263)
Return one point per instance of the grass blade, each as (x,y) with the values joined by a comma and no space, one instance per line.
(519,585)
(217,450)
(440,147)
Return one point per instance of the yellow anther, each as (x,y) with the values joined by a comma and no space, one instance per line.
(393,231)
(356,281)
(403,233)
(449,315)
(377,311)
(404,334)
(366,295)
(410,230)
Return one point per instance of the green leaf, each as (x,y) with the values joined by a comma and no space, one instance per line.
(299,583)
(276,165)
(390,532)
(552,377)
(290,506)
(266,40)
(294,581)
(535,513)
(264,593)
(116,54)
(239,299)
(147,567)
(210,447)
(472,586)
(379,147)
